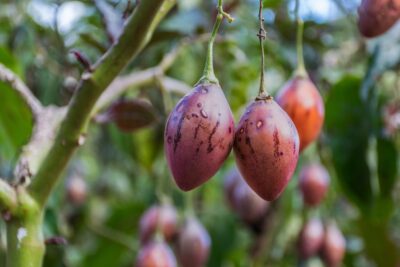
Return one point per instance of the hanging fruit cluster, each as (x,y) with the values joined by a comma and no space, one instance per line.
(163,236)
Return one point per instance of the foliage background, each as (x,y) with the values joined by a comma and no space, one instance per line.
(356,77)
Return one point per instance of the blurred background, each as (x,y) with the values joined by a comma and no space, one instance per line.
(116,176)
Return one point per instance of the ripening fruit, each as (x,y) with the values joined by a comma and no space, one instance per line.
(301,100)
(76,190)
(243,200)
(266,148)
(194,244)
(129,115)
(156,254)
(198,136)
(310,238)
(165,217)
(377,16)
(333,247)
(313,182)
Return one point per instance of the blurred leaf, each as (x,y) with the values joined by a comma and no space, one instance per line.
(111,18)
(8,60)
(271,3)
(387,165)
(348,128)
(16,122)
(386,55)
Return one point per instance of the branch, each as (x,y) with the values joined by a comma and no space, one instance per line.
(148,76)
(8,197)
(10,78)
(136,34)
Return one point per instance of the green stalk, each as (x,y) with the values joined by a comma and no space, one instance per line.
(262,35)
(208,73)
(300,70)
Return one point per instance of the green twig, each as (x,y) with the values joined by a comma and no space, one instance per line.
(300,70)
(262,35)
(208,73)
(8,197)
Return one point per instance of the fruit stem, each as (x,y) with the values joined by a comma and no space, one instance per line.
(208,73)
(300,70)
(262,35)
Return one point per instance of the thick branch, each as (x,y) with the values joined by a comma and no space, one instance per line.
(136,34)
(8,197)
(10,78)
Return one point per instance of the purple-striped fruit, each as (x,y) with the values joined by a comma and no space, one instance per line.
(313,182)
(165,217)
(156,254)
(377,16)
(333,246)
(266,148)
(310,238)
(194,244)
(198,136)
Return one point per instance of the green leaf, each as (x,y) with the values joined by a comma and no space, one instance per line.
(7,59)
(348,129)
(387,165)
(16,122)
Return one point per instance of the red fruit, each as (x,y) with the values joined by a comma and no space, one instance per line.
(266,148)
(243,200)
(377,16)
(198,136)
(310,238)
(333,247)
(194,244)
(313,182)
(301,100)
(76,190)
(156,254)
(130,115)
(165,217)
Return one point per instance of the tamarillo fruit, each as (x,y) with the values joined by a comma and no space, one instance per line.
(156,254)
(243,200)
(76,190)
(313,182)
(163,217)
(377,16)
(333,246)
(303,103)
(198,135)
(310,238)
(266,147)
(193,244)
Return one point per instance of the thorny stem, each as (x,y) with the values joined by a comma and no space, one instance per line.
(300,70)
(262,35)
(208,73)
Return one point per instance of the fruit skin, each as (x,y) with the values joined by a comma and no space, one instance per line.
(310,238)
(131,115)
(76,190)
(194,244)
(243,200)
(198,136)
(333,247)
(313,182)
(266,148)
(303,103)
(377,16)
(165,217)
(155,254)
